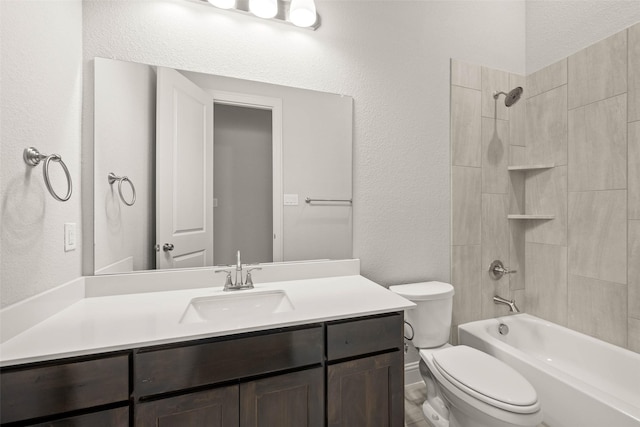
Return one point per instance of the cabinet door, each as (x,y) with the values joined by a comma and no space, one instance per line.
(366,392)
(289,400)
(211,408)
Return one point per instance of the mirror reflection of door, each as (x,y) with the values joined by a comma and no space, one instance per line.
(218,176)
(243,179)
(184,172)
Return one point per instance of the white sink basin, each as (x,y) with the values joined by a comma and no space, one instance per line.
(236,306)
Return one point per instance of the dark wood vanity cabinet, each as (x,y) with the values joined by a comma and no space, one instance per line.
(290,400)
(273,378)
(345,373)
(91,391)
(365,391)
(212,408)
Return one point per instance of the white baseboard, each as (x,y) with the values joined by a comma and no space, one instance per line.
(411,373)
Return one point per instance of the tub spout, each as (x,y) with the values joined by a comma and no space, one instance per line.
(512,304)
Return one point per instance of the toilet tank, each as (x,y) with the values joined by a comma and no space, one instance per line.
(431,317)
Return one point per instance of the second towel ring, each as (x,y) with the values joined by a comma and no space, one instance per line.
(112,177)
(33,157)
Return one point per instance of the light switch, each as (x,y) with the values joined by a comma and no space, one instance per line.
(291,200)
(215,202)
(69,236)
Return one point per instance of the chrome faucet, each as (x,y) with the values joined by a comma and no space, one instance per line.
(512,304)
(230,285)
(238,269)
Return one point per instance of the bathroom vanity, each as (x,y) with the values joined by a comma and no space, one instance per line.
(327,370)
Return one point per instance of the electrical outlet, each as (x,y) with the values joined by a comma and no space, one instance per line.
(69,236)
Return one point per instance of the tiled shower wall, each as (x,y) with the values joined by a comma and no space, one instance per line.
(484,135)
(582,114)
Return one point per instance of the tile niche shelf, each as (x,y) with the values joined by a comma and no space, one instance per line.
(526,168)
(521,216)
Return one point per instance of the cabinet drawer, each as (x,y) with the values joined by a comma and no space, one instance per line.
(169,369)
(55,389)
(118,417)
(358,337)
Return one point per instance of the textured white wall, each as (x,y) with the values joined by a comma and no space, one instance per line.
(125,108)
(41,99)
(557,29)
(392,57)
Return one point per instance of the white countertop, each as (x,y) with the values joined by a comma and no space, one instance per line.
(117,322)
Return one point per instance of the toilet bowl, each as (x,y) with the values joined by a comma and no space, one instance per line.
(465,387)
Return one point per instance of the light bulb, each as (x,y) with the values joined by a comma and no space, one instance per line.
(264,8)
(223,4)
(302,13)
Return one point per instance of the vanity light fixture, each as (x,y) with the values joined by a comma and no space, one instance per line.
(223,4)
(266,9)
(301,13)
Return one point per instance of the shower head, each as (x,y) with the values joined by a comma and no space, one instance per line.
(510,98)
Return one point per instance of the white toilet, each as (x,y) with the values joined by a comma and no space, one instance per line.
(465,387)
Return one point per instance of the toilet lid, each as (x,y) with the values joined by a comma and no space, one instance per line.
(488,378)
(424,291)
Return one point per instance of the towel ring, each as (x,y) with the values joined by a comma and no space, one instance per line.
(112,177)
(32,157)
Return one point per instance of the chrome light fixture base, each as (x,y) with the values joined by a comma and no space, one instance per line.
(282,17)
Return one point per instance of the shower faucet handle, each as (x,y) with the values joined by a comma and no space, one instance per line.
(497,270)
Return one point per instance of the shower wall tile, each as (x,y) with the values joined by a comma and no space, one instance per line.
(517,252)
(495,156)
(495,245)
(465,74)
(547,78)
(517,156)
(466,205)
(466,270)
(634,170)
(634,73)
(598,235)
(546,194)
(492,81)
(546,278)
(517,112)
(546,127)
(634,335)
(465,127)
(634,269)
(598,308)
(598,71)
(495,228)
(598,145)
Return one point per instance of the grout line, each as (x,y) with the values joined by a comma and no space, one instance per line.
(599,191)
(593,278)
(466,87)
(599,100)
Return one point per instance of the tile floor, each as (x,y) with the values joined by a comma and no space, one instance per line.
(414,395)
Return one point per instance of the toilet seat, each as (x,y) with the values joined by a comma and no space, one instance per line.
(486,379)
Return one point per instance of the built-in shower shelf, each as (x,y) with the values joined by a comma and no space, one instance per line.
(542,217)
(530,167)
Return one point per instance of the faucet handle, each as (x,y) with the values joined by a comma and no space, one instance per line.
(228,282)
(249,282)
(497,270)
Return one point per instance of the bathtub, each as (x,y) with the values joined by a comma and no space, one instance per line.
(581,381)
